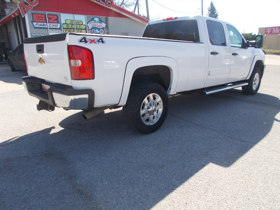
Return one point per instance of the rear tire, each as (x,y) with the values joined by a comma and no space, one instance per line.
(254,82)
(146,107)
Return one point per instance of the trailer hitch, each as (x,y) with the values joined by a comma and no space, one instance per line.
(45,106)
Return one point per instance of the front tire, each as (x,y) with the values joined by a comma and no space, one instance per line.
(254,82)
(146,107)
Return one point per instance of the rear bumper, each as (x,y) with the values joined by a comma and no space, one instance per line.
(59,95)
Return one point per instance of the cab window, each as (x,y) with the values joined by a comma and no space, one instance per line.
(185,30)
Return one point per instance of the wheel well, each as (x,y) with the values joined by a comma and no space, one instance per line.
(157,74)
(260,64)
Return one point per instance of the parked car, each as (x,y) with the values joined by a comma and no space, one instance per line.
(16,59)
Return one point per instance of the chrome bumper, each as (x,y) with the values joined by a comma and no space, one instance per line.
(59,95)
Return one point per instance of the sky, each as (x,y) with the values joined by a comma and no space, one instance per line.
(246,15)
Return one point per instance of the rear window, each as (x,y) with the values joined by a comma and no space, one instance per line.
(186,30)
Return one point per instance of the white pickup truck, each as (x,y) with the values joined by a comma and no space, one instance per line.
(92,72)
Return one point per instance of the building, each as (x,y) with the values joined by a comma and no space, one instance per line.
(20,19)
(271,37)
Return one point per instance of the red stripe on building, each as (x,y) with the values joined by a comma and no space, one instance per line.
(9,17)
(121,11)
(81,7)
(129,14)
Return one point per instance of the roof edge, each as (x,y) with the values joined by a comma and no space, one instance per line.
(10,16)
(122,11)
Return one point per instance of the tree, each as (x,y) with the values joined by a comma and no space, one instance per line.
(249,36)
(133,6)
(212,12)
(127,4)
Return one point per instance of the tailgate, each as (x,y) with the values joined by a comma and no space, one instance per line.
(47,58)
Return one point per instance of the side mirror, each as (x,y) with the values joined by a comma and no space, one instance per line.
(259,41)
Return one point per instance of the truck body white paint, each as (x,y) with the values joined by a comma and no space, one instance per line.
(193,65)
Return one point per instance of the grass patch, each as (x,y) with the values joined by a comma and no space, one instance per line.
(272,52)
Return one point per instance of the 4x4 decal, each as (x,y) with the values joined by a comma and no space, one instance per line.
(92,41)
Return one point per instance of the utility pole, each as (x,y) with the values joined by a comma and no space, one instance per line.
(147,7)
(137,6)
(202,7)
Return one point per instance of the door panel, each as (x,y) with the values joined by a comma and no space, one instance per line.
(219,55)
(240,56)
(240,63)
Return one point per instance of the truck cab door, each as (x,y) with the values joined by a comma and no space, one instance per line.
(219,54)
(240,55)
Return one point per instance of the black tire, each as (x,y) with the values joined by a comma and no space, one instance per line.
(146,107)
(254,82)
(11,66)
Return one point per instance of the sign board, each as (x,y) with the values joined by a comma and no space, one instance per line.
(44,23)
(272,30)
(27,5)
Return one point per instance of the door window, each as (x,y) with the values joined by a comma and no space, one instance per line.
(235,37)
(216,33)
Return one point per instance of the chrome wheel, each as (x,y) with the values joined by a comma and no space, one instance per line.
(256,81)
(151,109)
(146,107)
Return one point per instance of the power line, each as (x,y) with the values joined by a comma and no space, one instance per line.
(168,8)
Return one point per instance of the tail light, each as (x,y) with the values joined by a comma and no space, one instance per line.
(81,63)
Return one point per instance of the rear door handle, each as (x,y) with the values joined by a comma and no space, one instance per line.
(214,53)
(234,54)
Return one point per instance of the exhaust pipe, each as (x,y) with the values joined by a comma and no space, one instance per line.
(92,113)
(45,106)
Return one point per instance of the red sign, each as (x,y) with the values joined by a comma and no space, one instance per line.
(43,21)
(26,6)
(272,30)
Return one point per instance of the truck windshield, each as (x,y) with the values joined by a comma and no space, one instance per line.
(186,30)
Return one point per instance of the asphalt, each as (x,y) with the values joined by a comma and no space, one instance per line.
(219,151)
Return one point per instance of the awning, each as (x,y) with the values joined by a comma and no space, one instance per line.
(22,8)
(9,17)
